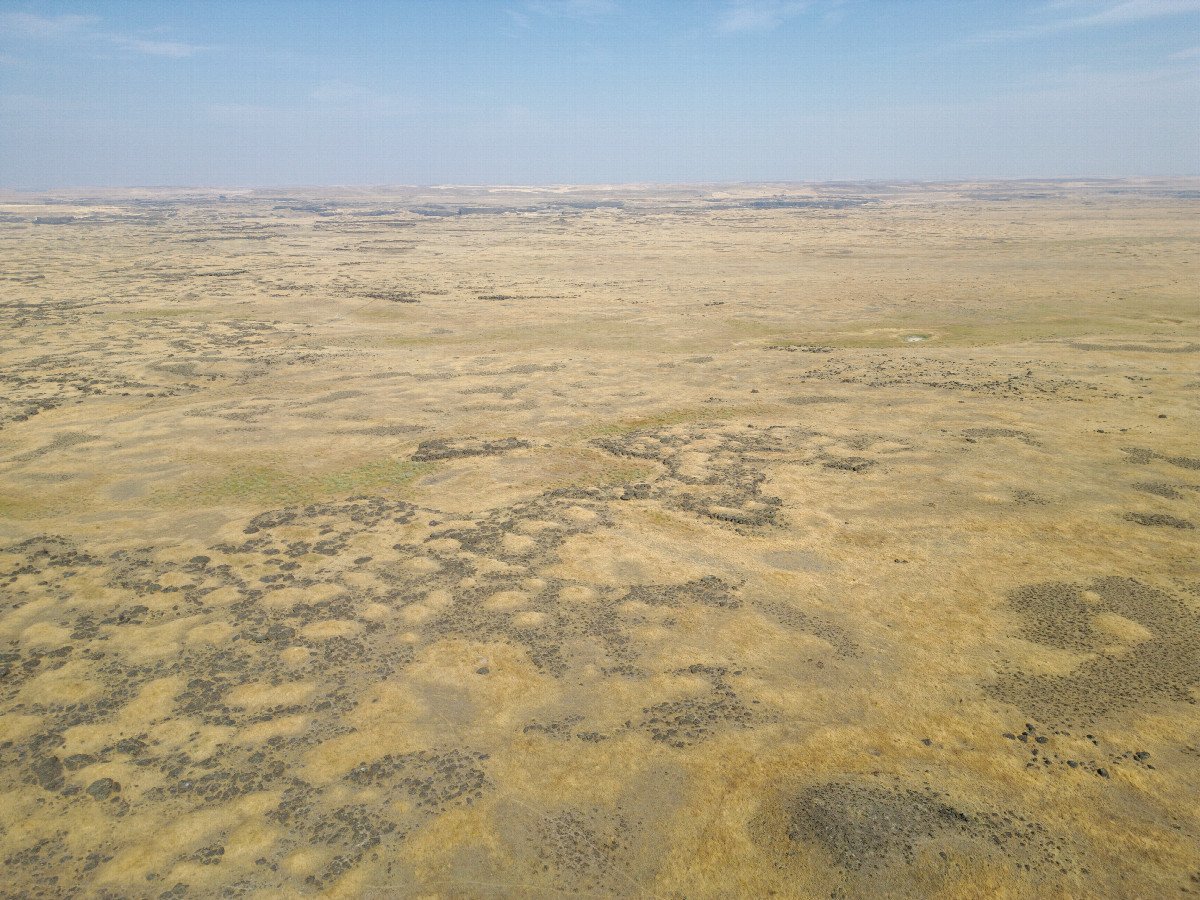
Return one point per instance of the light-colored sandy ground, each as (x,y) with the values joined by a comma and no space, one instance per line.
(647,542)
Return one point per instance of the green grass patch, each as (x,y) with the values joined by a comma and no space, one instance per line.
(38,506)
(988,334)
(266,485)
(617,474)
(155,313)
(665,419)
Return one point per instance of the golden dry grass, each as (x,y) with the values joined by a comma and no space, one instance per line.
(687,548)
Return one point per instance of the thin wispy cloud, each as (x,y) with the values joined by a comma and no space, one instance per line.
(527,14)
(28,25)
(758,15)
(83,30)
(585,90)
(156,48)
(353,100)
(572,9)
(1068,16)
(1135,10)
(324,104)
(175,49)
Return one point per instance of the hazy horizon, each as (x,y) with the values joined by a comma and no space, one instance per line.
(542,92)
(585,187)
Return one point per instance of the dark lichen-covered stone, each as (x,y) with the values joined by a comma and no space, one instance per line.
(708,591)
(77,761)
(849,463)
(48,770)
(444,448)
(103,788)
(432,778)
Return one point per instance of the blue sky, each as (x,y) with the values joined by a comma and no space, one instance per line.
(594,91)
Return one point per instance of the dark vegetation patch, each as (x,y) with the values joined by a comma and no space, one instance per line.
(105,368)
(584,851)
(433,779)
(563,729)
(848,463)
(63,441)
(867,826)
(1163,668)
(1140,456)
(885,835)
(789,203)
(506,391)
(393,296)
(1159,520)
(351,831)
(727,486)
(469,616)
(844,646)
(1135,348)
(439,210)
(800,348)
(709,591)
(880,369)
(690,720)
(810,399)
(311,548)
(1029,498)
(388,430)
(447,448)
(975,434)
(1161,489)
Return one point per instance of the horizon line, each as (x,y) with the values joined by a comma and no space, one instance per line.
(593,185)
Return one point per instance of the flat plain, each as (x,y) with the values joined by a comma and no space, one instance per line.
(647,541)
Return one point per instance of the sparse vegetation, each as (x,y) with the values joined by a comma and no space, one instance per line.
(644,554)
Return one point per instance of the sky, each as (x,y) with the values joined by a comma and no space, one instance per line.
(261,94)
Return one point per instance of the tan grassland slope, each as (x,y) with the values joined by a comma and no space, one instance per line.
(641,541)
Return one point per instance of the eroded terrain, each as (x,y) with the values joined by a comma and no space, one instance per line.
(798,541)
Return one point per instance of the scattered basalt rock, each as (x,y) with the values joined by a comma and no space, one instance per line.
(844,646)
(1163,668)
(445,448)
(709,591)
(849,463)
(713,472)
(973,435)
(867,826)
(433,779)
(1061,753)
(1140,456)
(585,850)
(690,720)
(103,788)
(48,770)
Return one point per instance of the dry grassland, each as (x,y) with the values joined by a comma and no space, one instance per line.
(758,540)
